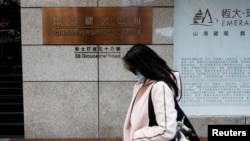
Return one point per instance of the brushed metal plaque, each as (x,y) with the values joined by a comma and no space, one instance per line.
(97,25)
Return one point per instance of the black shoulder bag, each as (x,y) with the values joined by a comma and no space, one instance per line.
(185,130)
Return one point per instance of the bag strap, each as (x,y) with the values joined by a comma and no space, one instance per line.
(151,112)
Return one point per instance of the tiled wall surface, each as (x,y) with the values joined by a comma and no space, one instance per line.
(65,97)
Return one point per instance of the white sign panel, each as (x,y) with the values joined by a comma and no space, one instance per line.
(212,53)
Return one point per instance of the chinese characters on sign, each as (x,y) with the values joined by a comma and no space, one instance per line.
(211,51)
(109,25)
(230,18)
(214,92)
(216,33)
(90,52)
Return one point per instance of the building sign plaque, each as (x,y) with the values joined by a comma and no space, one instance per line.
(97,25)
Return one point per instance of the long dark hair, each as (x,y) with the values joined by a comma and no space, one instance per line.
(143,59)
